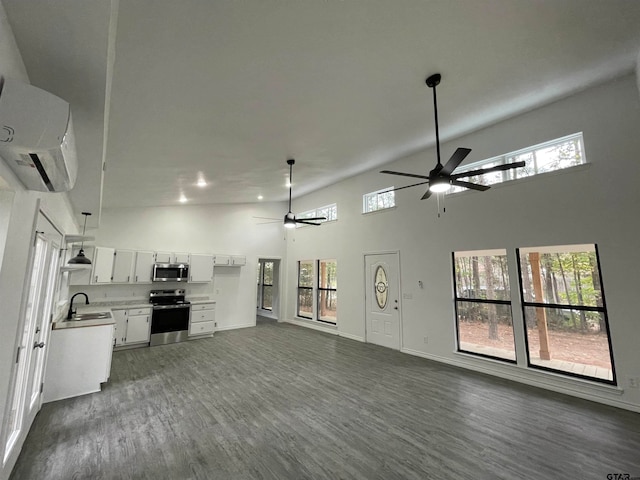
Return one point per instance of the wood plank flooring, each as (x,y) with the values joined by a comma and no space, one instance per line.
(284,402)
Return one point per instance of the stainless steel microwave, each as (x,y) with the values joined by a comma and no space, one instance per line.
(170,272)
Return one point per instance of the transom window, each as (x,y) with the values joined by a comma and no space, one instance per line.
(378,200)
(545,157)
(330,212)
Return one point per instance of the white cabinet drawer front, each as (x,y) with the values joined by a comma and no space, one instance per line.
(203,316)
(203,306)
(201,328)
(140,311)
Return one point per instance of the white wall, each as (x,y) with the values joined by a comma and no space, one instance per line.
(19,209)
(597,204)
(218,229)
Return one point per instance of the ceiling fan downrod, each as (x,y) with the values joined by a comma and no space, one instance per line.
(432,82)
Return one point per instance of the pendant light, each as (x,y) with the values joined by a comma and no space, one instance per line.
(80,259)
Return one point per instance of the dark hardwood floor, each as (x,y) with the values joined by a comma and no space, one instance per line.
(283,402)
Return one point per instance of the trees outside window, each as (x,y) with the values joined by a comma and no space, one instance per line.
(327,291)
(305,289)
(483,306)
(564,311)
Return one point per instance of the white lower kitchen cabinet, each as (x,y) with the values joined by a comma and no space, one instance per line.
(203,319)
(133,326)
(79,361)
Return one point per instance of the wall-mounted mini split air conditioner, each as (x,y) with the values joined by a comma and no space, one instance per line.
(36,137)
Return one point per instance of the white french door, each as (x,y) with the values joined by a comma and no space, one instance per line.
(26,395)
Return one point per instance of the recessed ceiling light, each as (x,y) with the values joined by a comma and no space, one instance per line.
(183,199)
(201,182)
(260,197)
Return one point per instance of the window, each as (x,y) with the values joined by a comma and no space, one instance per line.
(265,285)
(564,311)
(327,291)
(556,154)
(378,200)
(305,289)
(330,212)
(482,303)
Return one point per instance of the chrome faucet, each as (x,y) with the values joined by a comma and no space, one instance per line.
(71,310)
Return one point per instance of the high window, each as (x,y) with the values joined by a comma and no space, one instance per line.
(330,212)
(564,309)
(482,303)
(327,291)
(378,200)
(305,289)
(546,157)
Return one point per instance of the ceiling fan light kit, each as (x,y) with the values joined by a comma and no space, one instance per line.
(442,178)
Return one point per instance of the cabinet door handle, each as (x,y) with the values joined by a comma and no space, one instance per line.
(128,277)
(136,278)
(96,281)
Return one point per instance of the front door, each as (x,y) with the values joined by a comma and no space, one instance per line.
(382,299)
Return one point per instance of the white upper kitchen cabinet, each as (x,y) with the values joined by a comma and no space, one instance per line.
(143,267)
(200,268)
(180,258)
(238,260)
(123,266)
(222,260)
(163,257)
(103,265)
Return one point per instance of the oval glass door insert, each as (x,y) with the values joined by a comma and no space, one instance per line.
(381,286)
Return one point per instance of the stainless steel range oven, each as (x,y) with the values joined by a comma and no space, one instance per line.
(170,318)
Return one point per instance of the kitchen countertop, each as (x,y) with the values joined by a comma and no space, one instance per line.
(198,300)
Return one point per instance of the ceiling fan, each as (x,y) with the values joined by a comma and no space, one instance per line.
(441,178)
(290,219)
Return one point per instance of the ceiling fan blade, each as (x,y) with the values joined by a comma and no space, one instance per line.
(267,218)
(482,171)
(314,219)
(426,195)
(406,186)
(456,159)
(472,186)
(308,223)
(426,177)
(268,223)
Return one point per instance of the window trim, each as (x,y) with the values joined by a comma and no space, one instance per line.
(603,310)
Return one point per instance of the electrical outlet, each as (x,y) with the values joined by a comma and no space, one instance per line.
(426,340)
(633,382)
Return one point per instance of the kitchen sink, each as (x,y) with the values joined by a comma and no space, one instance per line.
(89,316)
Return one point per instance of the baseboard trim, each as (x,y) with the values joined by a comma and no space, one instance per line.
(597,393)
(312,325)
(233,327)
(350,336)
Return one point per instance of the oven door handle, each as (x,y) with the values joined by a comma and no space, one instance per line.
(166,307)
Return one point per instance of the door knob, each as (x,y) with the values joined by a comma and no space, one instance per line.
(38,345)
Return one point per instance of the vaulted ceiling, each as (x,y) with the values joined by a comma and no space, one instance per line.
(167,92)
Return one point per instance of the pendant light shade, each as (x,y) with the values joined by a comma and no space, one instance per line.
(81,259)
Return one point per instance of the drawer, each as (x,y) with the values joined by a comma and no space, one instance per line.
(140,311)
(203,306)
(203,316)
(201,328)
